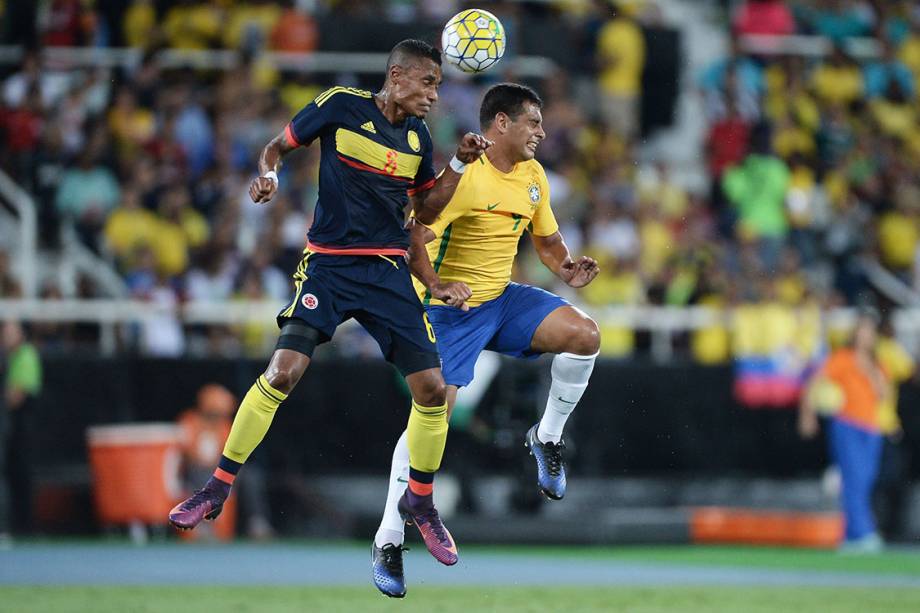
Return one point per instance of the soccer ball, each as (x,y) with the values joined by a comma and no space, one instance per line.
(473,40)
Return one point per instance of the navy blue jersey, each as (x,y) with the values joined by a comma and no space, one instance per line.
(368,169)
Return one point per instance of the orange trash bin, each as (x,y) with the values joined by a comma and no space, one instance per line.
(135,470)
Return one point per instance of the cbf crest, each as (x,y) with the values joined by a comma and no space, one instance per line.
(533,190)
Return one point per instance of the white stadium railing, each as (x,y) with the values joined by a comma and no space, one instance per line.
(663,323)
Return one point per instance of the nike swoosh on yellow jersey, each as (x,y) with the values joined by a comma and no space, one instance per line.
(490,207)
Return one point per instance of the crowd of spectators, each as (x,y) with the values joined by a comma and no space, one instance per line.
(810,159)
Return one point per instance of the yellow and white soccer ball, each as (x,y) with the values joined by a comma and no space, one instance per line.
(473,40)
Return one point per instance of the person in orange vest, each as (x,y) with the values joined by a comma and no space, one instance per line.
(204,429)
(850,389)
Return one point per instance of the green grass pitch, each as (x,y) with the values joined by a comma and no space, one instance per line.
(453,599)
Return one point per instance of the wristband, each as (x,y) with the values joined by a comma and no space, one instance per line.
(271,174)
(457,166)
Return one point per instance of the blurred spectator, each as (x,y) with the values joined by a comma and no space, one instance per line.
(295,30)
(735,77)
(836,19)
(86,195)
(899,236)
(18,85)
(880,74)
(22,389)
(615,232)
(212,279)
(161,334)
(807,209)
(192,129)
(757,188)
(850,388)
(190,24)
(250,24)
(619,283)
(259,337)
(726,146)
(893,484)
(621,58)
(129,227)
(22,126)
(141,272)
(139,25)
(181,229)
(9,286)
(65,23)
(771,17)
(787,94)
(838,81)
(836,136)
(131,126)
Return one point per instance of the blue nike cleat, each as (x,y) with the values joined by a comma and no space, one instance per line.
(387,562)
(550,471)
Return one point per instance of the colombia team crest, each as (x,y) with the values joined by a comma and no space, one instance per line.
(414,142)
(309,301)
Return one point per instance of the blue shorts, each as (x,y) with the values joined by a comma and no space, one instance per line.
(505,324)
(375,291)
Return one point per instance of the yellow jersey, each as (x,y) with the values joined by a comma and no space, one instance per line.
(477,233)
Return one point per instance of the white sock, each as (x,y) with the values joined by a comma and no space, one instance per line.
(392,527)
(570,378)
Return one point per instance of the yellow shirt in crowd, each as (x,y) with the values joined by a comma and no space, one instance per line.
(621,43)
(838,84)
(899,366)
(897,239)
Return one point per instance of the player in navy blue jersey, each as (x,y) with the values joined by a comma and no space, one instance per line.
(376,158)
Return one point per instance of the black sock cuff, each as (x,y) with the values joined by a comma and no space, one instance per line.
(420,476)
(229,465)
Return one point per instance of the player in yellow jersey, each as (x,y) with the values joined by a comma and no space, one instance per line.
(464,251)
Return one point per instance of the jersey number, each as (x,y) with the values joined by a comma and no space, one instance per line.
(429,328)
(517,221)
(391,164)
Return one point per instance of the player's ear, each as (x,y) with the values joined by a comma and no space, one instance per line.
(501,122)
(395,73)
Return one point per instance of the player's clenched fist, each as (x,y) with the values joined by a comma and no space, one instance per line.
(454,294)
(262,189)
(471,147)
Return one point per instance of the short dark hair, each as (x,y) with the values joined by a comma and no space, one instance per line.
(507,98)
(412,48)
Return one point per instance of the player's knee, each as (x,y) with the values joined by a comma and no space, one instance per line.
(283,377)
(432,392)
(586,340)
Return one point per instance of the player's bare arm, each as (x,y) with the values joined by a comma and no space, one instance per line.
(555,255)
(429,204)
(453,293)
(263,188)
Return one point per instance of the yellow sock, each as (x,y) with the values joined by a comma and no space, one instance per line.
(252,420)
(427,436)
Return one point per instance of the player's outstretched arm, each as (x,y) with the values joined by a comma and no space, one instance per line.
(555,255)
(428,205)
(263,188)
(453,293)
